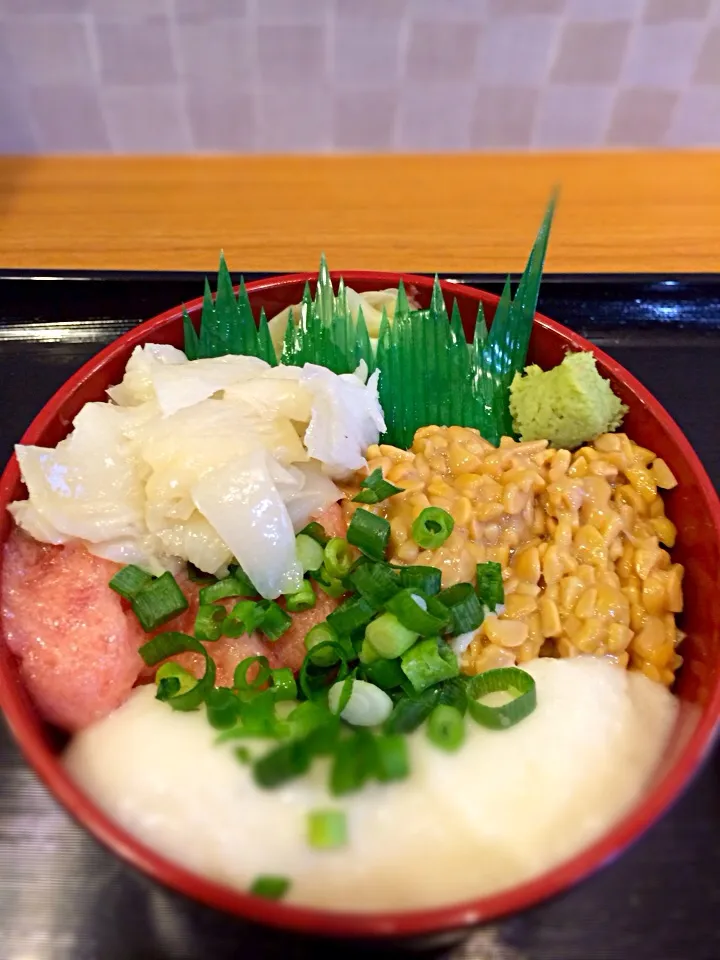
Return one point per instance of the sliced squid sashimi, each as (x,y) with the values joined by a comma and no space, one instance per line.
(77,644)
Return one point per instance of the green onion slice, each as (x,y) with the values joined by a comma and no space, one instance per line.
(375,488)
(393,761)
(129,581)
(209,621)
(245,617)
(388,637)
(411,712)
(286,762)
(432,528)
(360,703)
(283,683)
(338,557)
(159,601)
(425,579)
(316,531)
(489,587)
(466,612)
(275,621)
(316,670)
(446,728)
(166,645)
(354,762)
(302,599)
(419,612)
(172,679)
(511,680)
(263,674)
(270,887)
(386,674)
(329,585)
(223,708)
(236,585)
(369,533)
(454,693)
(327,829)
(352,613)
(375,582)
(429,662)
(309,552)
(320,633)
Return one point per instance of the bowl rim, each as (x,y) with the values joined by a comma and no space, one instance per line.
(313,920)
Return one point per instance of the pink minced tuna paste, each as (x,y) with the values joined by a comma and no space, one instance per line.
(77,640)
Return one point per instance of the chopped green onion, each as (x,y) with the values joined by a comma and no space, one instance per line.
(338,557)
(354,762)
(329,585)
(432,528)
(270,887)
(453,693)
(172,679)
(159,601)
(309,552)
(375,488)
(320,633)
(315,670)
(369,533)
(245,617)
(466,612)
(283,683)
(240,678)
(223,708)
(446,727)
(509,680)
(302,599)
(129,581)
(425,579)
(393,762)
(386,674)
(209,621)
(258,717)
(166,645)
(353,613)
(286,762)
(236,585)
(309,716)
(375,582)
(411,712)
(428,662)
(243,755)
(327,829)
(418,612)
(489,587)
(365,705)
(275,621)
(316,531)
(389,637)
(368,654)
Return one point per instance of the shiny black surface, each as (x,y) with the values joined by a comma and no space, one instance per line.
(64,898)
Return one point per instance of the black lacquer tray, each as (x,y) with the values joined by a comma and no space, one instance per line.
(62,897)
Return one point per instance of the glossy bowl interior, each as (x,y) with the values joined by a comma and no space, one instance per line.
(693,507)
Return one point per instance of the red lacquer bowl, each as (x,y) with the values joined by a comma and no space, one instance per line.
(693,506)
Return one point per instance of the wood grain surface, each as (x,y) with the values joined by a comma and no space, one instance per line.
(626,212)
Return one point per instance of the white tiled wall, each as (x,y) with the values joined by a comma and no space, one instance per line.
(377,75)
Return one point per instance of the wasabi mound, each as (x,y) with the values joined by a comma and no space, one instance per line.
(568,405)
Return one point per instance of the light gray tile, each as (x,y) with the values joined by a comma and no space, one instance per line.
(590,53)
(293,11)
(374,9)
(295,119)
(474,11)
(516,51)
(364,119)
(366,52)
(663,56)
(16,131)
(47,50)
(665,11)
(435,117)
(587,10)
(217,52)
(503,117)
(145,120)
(135,53)
(30,8)
(291,54)
(202,11)
(221,119)
(707,68)
(68,119)
(696,120)
(523,8)
(572,116)
(128,9)
(442,52)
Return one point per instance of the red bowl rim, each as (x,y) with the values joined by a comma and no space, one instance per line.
(312,920)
